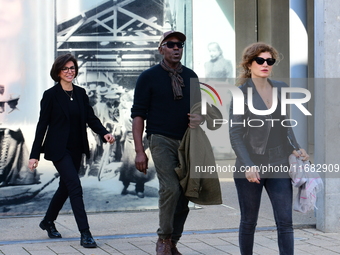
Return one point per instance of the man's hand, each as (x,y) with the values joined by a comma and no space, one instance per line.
(195,120)
(141,162)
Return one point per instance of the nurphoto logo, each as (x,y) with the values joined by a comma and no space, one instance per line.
(213,95)
(238,102)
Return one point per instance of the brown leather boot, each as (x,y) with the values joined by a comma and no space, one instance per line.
(163,246)
(174,250)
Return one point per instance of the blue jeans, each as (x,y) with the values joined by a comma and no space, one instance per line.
(173,205)
(279,189)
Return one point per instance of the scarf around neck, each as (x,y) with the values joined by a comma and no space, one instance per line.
(176,80)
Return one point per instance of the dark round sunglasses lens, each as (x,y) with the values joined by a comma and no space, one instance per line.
(260,61)
(172,44)
(270,61)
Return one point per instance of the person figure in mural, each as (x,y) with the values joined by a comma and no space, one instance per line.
(61,135)
(113,102)
(162,98)
(10,100)
(97,100)
(101,111)
(217,67)
(92,94)
(260,147)
(13,149)
(128,171)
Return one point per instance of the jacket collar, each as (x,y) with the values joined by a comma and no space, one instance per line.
(62,99)
(258,103)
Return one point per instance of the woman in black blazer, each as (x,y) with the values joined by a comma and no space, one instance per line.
(61,135)
(262,146)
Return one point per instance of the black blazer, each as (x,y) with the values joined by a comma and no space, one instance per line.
(53,127)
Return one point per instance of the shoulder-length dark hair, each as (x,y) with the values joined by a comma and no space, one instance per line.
(249,53)
(59,63)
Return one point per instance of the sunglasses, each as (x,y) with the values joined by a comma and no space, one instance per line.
(171,44)
(260,61)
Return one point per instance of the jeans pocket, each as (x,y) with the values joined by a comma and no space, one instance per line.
(156,140)
(150,141)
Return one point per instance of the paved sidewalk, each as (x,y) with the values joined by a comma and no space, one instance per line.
(209,231)
(307,242)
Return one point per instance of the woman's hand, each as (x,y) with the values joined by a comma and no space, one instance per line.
(109,138)
(33,164)
(253,175)
(302,154)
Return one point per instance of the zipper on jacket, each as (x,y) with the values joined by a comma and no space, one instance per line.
(291,143)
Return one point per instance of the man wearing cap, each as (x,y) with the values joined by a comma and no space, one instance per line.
(163,96)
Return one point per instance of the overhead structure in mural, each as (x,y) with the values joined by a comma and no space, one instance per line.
(119,36)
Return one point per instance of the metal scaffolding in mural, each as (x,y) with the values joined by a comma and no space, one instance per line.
(117,35)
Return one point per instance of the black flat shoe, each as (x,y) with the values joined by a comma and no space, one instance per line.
(86,239)
(50,228)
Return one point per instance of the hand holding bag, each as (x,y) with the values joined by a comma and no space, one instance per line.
(307,181)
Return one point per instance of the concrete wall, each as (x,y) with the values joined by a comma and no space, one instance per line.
(327,109)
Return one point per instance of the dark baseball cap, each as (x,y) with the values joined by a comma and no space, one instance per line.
(168,34)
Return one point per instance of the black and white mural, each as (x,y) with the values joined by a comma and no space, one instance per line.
(114,41)
(214,60)
(21,82)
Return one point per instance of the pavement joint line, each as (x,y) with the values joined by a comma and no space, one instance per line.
(227,206)
(125,236)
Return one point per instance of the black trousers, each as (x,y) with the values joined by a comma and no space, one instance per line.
(69,186)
